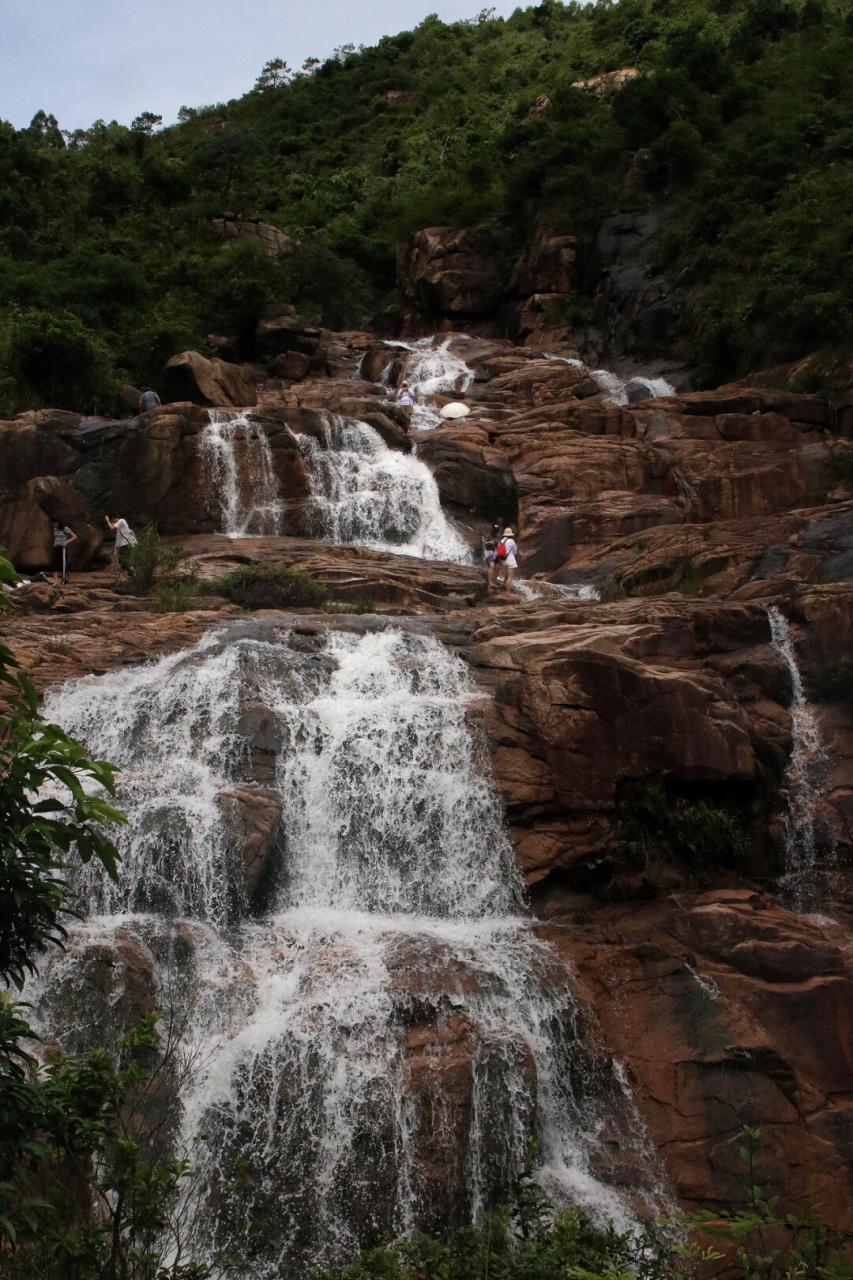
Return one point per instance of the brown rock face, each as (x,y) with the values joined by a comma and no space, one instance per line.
(549,266)
(440,270)
(739,1013)
(211,383)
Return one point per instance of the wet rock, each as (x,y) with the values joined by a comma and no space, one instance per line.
(252,817)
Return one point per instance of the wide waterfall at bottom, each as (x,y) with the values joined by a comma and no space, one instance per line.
(319,887)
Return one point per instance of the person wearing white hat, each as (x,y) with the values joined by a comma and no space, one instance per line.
(506,555)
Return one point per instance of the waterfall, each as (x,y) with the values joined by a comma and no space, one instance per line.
(618,390)
(380,1028)
(432,369)
(364,492)
(241,476)
(806,771)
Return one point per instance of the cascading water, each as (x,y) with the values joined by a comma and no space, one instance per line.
(806,772)
(240,474)
(362,491)
(382,1028)
(432,369)
(618,390)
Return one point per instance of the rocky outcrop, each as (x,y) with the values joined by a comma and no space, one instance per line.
(720,1030)
(441,270)
(271,240)
(636,312)
(211,383)
(608,82)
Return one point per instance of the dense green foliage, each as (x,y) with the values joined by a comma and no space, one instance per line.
(740,124)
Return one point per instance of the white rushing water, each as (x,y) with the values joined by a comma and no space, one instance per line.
(364,492)
(380,1028)
(621,390)
(807,766)
(432,369)
(240,474)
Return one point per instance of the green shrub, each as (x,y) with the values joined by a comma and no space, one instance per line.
(689,580)
(146,560)
(175,597)
(701,833)
(613,587)
(272,586)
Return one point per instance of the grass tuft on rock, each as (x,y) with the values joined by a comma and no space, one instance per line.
(273,586)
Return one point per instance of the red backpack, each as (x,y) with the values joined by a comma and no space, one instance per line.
(502,551)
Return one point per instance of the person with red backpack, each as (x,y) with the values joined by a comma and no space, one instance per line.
(506,555)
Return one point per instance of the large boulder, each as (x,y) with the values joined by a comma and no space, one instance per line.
(26,528)
(441,270)
(211,383)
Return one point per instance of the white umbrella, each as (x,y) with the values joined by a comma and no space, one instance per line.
(455,410)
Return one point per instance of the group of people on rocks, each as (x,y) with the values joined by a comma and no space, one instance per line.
(63,536)
(500,551)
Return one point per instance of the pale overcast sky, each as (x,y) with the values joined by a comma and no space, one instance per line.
(85,60)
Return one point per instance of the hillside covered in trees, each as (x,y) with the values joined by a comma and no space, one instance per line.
(741,123)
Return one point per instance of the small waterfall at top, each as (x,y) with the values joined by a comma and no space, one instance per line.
(805,774)
(618,390)
(362,491)
(379,1026)
(238,459)
(432,369)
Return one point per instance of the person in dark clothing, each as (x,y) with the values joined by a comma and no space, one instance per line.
(148,400)
(62,539)
(490,544)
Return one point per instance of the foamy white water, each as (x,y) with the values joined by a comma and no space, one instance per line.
(805,775)
(617,389)
(384,1030)
(364,492)
(432,369)
(240,474)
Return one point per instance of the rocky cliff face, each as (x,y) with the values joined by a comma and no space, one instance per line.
(642,745)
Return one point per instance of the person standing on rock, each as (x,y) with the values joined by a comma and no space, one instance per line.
(62,539)
(148,400)
(506,555)
(490,545)
(405,396)
(125,539)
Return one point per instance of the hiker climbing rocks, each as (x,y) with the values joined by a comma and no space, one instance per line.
(148,400)
(506,554)
(62,539)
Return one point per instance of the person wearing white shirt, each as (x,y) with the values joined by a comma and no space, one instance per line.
(506,556)
(125,539)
